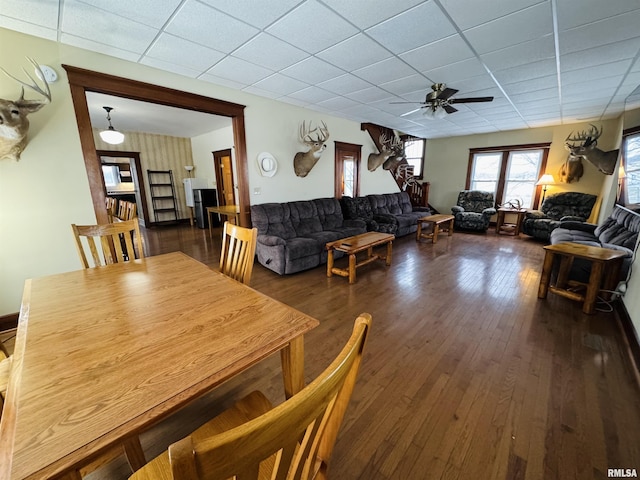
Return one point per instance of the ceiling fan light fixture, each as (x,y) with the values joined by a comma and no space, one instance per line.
(434,112)
(111,135)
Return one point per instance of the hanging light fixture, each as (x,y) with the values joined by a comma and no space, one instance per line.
(111,135)
(434,112)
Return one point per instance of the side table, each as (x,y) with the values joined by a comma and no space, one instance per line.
(604,262)
(509,228)
(438,222)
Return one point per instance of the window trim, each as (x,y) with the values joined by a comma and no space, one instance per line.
(623,200)
(408,138)
(351,149)
(504,161)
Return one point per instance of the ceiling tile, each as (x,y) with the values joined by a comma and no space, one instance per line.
(466,69)
(35,12)
(627,49)
(603,32)
(412,24)
(312,27)
(344,84)
(99,47)
(175,50)
(523,26)
(385,71)
(466,14)
(171,67)
(438,54)
(355,52)
(569,16)
(365,13)
(312,70)
(593,73)
(406,85)
(269,52)
(201,24)
(371,94)
(281,84)
(526,72)
(29,28)
(312,95)
(258,14)
(539,49)
(153,13)
(239,71)
(91,23)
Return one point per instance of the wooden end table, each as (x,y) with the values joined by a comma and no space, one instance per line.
(353,245)
(604,262)
(510,228)
(437,223)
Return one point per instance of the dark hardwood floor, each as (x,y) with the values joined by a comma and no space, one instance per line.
(467,375)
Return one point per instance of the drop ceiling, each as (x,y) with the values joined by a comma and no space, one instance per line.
(545,62)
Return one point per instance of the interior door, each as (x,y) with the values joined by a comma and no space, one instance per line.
(224,177)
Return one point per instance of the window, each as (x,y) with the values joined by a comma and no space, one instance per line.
(510,173)
(347,170)
(631,159)
(414,153)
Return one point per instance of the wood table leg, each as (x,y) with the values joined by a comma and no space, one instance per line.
(593,288)
(436,229)
(209,215)
(134,453)
(292,358)
(545,276)
(352,267)
(389,250)
(74,475)
(419,231)
(451,227)
(330,262)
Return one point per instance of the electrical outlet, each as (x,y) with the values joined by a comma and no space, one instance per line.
(257,191)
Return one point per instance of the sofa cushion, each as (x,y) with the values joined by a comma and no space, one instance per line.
(329,213)
(304,218)
(620,228)
(273,219)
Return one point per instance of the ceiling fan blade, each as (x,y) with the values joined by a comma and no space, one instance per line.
(449,109)
(412,111)
(471,100)
(446,93)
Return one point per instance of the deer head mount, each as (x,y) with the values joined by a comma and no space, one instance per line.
(391,153)
(587,149)
(303,162)
(14,124)
(571,170)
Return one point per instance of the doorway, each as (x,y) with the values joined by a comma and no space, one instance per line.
(132,160)
(223,166)
(82,81)
(347,170)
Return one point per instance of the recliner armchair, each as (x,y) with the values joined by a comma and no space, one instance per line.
(473,210)
(563,206)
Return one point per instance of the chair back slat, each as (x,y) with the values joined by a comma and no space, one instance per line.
(238,251)
(301,431)
(109,243)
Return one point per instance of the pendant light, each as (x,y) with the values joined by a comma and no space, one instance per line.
(111,135)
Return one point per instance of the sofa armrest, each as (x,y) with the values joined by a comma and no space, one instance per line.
(457,209)
(271,240)
(534,215)
(489,211)
(580,226)
(574,218)
(422,209)
(618,248)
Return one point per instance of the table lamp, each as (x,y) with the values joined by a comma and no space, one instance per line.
(621,176)
(545,180)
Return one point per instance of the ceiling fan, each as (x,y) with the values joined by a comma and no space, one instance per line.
(438,102)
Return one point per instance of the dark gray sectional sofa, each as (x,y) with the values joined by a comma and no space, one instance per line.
(292,235)
(387,212)
(619,231)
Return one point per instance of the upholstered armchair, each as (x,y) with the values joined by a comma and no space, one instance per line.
(556,208)
(474,210)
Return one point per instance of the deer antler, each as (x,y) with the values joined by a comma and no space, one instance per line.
(33,85)
(589,138)
(322,133)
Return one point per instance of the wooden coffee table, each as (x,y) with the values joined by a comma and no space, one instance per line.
(353,245)
(437,222)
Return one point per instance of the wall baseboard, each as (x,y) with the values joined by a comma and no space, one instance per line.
(8,322)
(630,333)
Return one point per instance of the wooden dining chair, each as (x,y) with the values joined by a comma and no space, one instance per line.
(296,436)
(109,243)
(112,206)
(126,210)
(5,369)
(238,250)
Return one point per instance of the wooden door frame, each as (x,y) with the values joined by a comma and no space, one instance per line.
(82,81)
(353,150)
(141,191)
(219,181)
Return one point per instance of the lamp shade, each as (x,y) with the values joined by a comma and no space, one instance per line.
(112,136)
(546,179)
(621,172)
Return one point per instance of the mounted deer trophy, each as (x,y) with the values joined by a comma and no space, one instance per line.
(389,148)
(14,124)
(571,170)
(397,148)
(587,149)
(303,162)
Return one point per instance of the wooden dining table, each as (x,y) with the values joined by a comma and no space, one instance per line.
(230,211)
(102,354)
